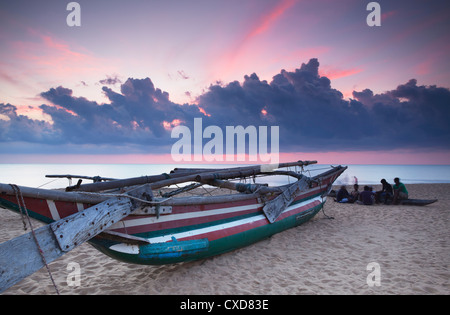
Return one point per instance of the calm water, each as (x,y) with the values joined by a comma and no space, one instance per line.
(33,175)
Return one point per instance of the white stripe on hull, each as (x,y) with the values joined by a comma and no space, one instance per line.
(188,215)
(133,249)
(80,207)
(182,216)
(53,211)
(166,238)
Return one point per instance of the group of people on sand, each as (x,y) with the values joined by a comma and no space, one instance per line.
(388,194)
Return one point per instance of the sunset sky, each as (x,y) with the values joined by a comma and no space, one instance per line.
(112,89)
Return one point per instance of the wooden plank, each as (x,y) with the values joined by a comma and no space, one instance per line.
(20,257)
(273,208)
(82,226)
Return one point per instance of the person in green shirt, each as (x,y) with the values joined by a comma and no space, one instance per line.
(400,192)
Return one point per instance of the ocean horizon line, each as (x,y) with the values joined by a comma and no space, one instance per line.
(33,174)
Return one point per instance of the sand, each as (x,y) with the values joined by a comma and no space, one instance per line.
(322,256)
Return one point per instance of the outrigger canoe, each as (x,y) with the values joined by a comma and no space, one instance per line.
(139,220)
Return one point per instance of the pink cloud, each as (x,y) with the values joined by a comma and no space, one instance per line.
(335,73)
(39,60)
(270,18)
(47,56)
(238,55)
(387,15)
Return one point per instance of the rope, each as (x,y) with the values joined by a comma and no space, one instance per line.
(21,204)
(50,182)
(22,214)
(323,204)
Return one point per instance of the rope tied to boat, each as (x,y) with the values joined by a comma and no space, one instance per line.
(17,192)
(323,203)
(24,212)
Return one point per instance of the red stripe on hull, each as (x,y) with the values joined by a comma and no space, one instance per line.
(221,233)
(66,208)
(157,226)
(208,207)
(35,205)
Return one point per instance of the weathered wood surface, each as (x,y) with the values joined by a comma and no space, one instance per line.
(273,208)
(55,195)
(20,257)
(80,227)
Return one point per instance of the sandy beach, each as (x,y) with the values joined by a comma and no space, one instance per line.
(322,256)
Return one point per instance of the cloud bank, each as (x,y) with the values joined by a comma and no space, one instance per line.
(312,116)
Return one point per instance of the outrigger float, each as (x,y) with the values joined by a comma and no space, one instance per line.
(140,220)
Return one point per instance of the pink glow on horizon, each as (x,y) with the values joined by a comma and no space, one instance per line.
(333,73)
(400,157)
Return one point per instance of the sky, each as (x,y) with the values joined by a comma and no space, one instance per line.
(113,89)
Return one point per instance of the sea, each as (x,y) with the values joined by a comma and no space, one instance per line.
(33,175)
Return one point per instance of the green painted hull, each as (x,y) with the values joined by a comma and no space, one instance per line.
(216,247)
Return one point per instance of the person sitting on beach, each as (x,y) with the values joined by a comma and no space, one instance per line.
(385,193)
(342,195)
(366,196)
(354,195)
(400,192)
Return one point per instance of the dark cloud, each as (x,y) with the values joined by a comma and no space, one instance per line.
(134,116)
(314,116)
(110,80)
(310,113)
(412,115)
(20,128)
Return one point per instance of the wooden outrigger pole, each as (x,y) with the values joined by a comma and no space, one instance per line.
(162,180)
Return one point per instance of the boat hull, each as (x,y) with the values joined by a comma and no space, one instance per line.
(188,231)
(217,238)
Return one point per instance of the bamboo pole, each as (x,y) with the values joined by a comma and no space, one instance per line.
(162,180)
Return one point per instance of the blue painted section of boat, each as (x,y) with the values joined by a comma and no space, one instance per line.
(173,249)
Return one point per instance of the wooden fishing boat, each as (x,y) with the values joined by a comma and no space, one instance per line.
(417,202)
(139,220)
